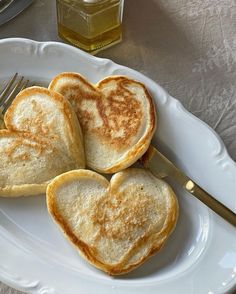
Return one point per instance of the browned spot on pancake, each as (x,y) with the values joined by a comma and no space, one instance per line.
(38,122)
(76,96)
(30,142)
(123,216)
(119,112)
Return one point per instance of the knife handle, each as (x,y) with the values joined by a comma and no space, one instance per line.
(211,202)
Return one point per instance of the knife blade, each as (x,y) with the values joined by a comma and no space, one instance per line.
(162,167)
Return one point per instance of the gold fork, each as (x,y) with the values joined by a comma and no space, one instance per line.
(9,92)
(161,167)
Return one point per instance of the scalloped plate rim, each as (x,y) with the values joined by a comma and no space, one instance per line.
(103,61)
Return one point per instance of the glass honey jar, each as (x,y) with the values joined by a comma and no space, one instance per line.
(91,25)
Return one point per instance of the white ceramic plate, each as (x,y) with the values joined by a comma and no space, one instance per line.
(200,256)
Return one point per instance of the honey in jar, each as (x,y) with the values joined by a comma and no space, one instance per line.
(91,25)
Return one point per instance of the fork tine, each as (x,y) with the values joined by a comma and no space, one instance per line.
(3,95)
(24,85)
(12,95)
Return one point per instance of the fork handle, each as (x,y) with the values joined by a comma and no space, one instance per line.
(211,202)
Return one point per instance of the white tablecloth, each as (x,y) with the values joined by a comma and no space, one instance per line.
(187,46)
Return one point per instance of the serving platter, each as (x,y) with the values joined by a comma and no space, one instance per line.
(200,255)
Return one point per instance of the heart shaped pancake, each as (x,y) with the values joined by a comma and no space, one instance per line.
(117,117)
(42,139)
(115,226)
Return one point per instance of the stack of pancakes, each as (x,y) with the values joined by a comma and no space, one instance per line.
(52,134)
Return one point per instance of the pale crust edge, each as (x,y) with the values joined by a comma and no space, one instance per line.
(23,190)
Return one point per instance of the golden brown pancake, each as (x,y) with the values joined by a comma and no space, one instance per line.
(115,226)
(117,117)
(42,139)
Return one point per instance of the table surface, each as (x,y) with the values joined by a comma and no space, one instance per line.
(186,46)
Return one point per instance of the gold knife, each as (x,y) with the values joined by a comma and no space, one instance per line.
(161,167)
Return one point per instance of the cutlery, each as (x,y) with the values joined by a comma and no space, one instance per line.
(162,167)
(8,93)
